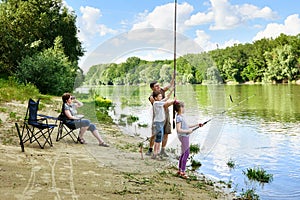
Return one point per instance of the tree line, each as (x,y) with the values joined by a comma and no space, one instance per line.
(266,60)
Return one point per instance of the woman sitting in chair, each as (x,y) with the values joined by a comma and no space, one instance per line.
(69,110)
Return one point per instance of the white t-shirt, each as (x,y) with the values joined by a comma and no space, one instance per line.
(159,111)
(184,125)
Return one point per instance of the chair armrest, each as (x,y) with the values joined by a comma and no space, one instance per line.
(48,117)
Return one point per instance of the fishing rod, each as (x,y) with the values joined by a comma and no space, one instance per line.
(238,104)
(174,75)
(200,125)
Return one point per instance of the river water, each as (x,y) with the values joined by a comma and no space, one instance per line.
(251,126)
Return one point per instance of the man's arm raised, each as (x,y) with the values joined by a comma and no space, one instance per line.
(166,88)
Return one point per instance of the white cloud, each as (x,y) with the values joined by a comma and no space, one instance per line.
(149,55)
(252,12)
(163,17)
(89,26)
(203,40)
(291,26)
(142,43)
(229,43)
(200,18)
(224,15)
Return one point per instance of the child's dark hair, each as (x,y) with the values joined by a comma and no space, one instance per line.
(156,93)
(177,105)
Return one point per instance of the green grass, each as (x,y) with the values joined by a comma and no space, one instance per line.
(131,119)
(11,90)
(231,164)
(248,195)
(195,164)
(143,125)
(258,174)
(194,148)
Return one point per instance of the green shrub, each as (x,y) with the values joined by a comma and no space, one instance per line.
(103,102)
(50,70)
(248,195)
(103,117)
(194,148)
(143,125)
(258,174)
(231,164)
(131,119)
(195,164)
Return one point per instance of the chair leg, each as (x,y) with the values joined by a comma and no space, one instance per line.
(46,135)
(36,136)
(64,131)
(20,137)
(59,131)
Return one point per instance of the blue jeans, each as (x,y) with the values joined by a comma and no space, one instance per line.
(78,123)
(159,131)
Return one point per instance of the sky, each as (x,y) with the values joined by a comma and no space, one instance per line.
(111,31)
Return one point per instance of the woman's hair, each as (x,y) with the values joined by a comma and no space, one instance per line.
(65,97)
(178,105)
(156,93)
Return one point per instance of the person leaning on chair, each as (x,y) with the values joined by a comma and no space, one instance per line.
(69,109)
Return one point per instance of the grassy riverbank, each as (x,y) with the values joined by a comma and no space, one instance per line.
(73,171)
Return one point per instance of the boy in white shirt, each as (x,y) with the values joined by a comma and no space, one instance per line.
(159,118)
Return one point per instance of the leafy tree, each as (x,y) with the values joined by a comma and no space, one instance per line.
(200,64)
(230,69)
(50,71)
(282,64)
(182,68)
(31,26)
(252,71)
(213,76)
(166,73)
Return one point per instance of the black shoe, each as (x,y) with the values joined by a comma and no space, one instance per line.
(148,153)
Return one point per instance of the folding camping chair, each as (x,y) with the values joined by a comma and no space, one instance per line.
(36,127)
(65,130)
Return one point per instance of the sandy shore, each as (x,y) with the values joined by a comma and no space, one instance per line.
(74,171)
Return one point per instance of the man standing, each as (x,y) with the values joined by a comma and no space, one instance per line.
(167,126)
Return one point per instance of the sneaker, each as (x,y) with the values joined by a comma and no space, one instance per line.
(163,153)
(153,156)
(148,153)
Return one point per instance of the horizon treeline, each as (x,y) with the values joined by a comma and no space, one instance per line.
(266,60)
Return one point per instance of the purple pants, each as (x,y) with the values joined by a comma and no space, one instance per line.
(185,152)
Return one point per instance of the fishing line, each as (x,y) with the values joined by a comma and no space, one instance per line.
(236,105)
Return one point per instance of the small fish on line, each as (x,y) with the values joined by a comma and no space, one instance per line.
(230,98)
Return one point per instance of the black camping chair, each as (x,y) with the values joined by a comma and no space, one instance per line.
(65,129)
(36,127)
